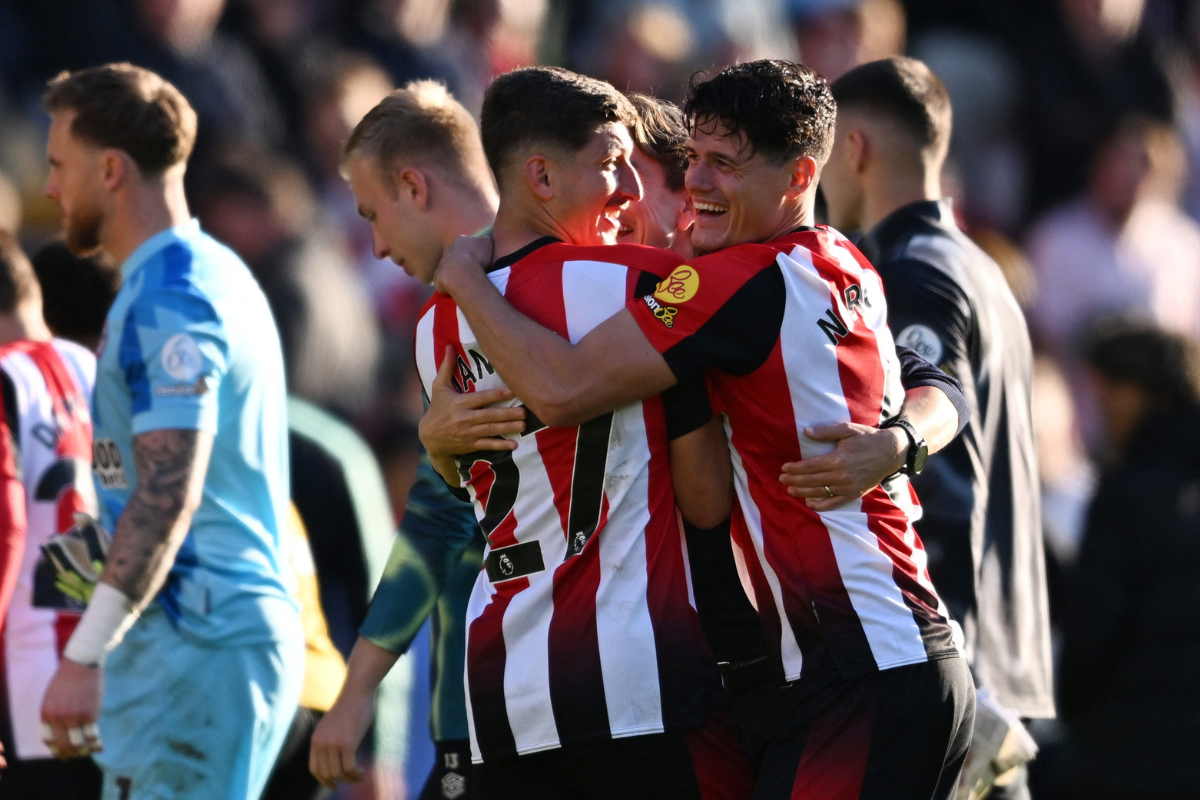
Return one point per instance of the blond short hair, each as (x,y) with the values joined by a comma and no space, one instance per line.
(420,124)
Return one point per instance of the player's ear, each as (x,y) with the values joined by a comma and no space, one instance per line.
(537,177)
(686,215)
(114,168)
(412,184)
(858,149)
(805,173)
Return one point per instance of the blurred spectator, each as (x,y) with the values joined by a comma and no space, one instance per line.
(217,73)
(265,211)
(1084,67)
(290,40)
(983,80)
(398,33)
(643,47)
(1131,635)
(1066,474)
(834,36)
(76,292)
(1121,248)
(468,44)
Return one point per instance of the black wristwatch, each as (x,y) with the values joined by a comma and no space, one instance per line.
(918,450)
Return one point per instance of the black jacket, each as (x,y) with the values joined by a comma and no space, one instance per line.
(981,497)
(1129,677)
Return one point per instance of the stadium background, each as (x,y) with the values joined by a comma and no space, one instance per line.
(1075,159)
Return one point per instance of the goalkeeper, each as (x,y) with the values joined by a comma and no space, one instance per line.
(190,654)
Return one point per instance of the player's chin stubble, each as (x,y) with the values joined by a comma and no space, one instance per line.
(82,232)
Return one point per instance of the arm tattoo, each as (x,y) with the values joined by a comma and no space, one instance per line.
(170,465)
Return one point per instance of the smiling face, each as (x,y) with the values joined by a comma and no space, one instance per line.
(593,186)
(399,229)
(76,184)
(738,194)
(661,214)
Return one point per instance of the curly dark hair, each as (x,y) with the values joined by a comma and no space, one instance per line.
(782,109)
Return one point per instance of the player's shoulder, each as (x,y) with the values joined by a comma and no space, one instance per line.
(731,268)
(633,256)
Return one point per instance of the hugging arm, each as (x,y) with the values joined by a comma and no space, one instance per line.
(563,384)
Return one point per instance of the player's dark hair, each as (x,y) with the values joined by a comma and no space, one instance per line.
(76,292)
(662,134)
(546,106)
(17,282)
(906,92)
(1165,365)
(782,109)
(130,109)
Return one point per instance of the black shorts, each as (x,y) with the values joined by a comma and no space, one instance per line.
(898,734)
(704,764)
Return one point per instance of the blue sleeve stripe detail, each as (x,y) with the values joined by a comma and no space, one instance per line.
(133,363)
(193,307)
(176,267)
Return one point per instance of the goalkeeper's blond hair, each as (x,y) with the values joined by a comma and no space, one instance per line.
(421,125)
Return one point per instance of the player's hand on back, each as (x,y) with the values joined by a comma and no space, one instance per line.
(336,739)
(458,423)
(70,709)
(463,260)
(863,457)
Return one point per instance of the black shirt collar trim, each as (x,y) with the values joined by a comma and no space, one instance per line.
(512,258)
(895,226)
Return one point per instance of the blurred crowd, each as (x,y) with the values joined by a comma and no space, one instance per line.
(1075,163)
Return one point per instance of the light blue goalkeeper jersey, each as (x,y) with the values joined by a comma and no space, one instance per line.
(190,343)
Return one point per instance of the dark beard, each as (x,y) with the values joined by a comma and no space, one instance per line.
(82,233)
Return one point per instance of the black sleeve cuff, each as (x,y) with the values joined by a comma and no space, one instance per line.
(686,407)
(916,372)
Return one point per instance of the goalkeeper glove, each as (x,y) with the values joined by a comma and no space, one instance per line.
(78,556)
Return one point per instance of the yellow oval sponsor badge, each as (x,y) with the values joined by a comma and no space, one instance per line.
(678,287)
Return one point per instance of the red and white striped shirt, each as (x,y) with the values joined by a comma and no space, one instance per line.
(796,333)
(580,627)
(45,477)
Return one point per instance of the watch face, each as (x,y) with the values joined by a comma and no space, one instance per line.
(920,457)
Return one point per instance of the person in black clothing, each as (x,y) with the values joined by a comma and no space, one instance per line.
(1131,627)
(949,301)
